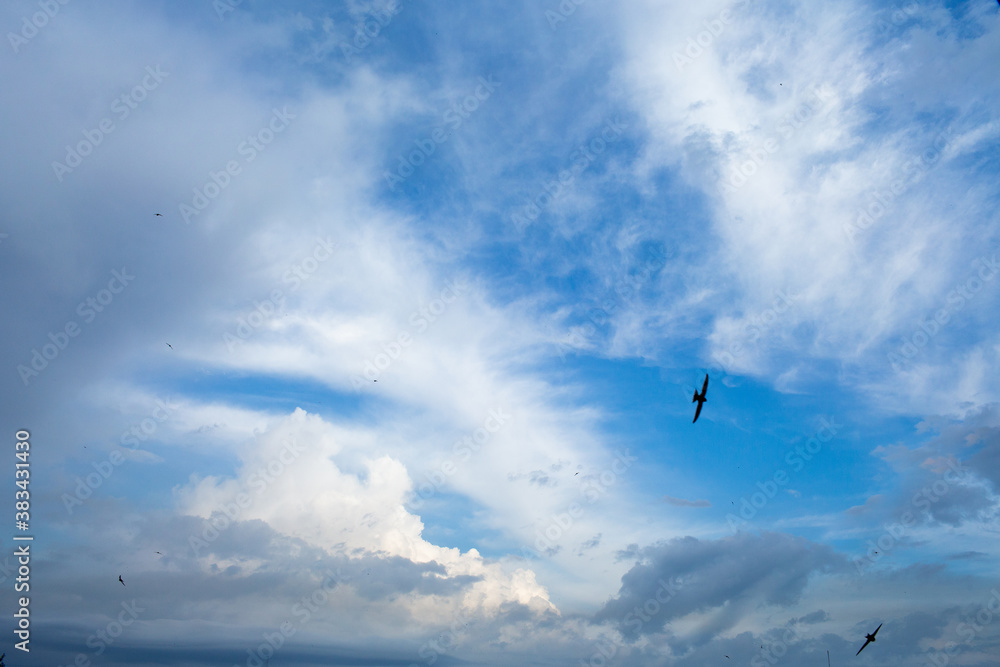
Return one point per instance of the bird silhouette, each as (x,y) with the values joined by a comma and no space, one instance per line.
(159,215)
(170,346)
(868,640)
(120,579)
(700,398)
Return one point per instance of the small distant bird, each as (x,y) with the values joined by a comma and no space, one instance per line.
(170,346)
(868,640)
(575,474)
(159,215)
(700,398)
(159,553)
(120,579)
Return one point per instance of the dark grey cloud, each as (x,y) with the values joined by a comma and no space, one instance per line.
(537,477)
(592,543)
(950,479)
(730,576)
(818,616)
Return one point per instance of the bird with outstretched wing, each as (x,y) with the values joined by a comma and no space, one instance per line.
(700,398)
(868,640)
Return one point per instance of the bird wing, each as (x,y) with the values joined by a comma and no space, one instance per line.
(877,629)
(867,642)
(704,387)
(697,412)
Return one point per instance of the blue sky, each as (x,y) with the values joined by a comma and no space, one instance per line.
(537,226)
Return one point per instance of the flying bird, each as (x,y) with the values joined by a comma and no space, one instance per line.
(159,215)
(120,579)
(868,640)
(170,346)
(700,398)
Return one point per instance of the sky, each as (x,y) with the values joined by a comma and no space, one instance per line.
(366,332)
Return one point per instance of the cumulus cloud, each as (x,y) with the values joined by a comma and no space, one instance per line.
(290,480)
